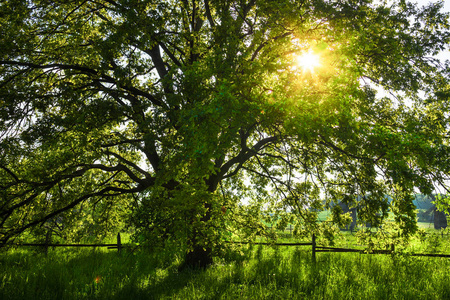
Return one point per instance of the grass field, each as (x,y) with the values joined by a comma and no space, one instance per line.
(257,272)
(247,272)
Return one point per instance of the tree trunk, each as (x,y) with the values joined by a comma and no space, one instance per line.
(345,209)
(199,258)
(440,220)
(201,255)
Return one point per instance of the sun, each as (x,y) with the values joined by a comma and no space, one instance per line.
(308,61)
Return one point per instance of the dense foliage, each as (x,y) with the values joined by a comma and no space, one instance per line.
(172,114)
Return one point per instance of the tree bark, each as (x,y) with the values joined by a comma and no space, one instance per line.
(440,219)
(198,258)
(201,256)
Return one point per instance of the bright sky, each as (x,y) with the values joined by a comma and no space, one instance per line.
(445,55)
(424,2)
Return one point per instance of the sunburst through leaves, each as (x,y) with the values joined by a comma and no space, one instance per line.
(308,61)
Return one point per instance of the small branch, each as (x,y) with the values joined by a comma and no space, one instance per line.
(265,43)
(334,147)
(132,141)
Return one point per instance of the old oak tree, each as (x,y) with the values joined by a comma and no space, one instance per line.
(191,120)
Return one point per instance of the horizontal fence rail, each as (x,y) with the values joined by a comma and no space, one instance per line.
(270,244)
(315,248)
(430,254)
(64,245)
(47,245)
(334,249)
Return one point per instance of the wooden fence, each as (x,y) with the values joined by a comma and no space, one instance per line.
(314,247)
(119,246)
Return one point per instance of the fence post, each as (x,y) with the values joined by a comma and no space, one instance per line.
(119,243)
(48,239)
(313,248)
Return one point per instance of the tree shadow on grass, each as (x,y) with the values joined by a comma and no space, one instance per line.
(169,282)
(196,283)
(100,275)
(216,282)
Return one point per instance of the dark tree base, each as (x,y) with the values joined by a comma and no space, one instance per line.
(197,259)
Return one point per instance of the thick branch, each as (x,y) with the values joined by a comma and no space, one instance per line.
(129,163)
(155,54)
(10,173)
(244,156)
(118,167)
(88,71)
(208,14)
(170,54)
(104,192)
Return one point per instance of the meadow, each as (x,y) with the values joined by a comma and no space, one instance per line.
(245,272)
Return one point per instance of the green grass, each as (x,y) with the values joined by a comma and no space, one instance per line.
(259,272)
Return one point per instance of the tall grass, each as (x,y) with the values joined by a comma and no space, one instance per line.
(258,272)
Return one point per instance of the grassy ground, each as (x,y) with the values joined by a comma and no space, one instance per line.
(257,272)
(260,272)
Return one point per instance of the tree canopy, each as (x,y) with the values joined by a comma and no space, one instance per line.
(171,113)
